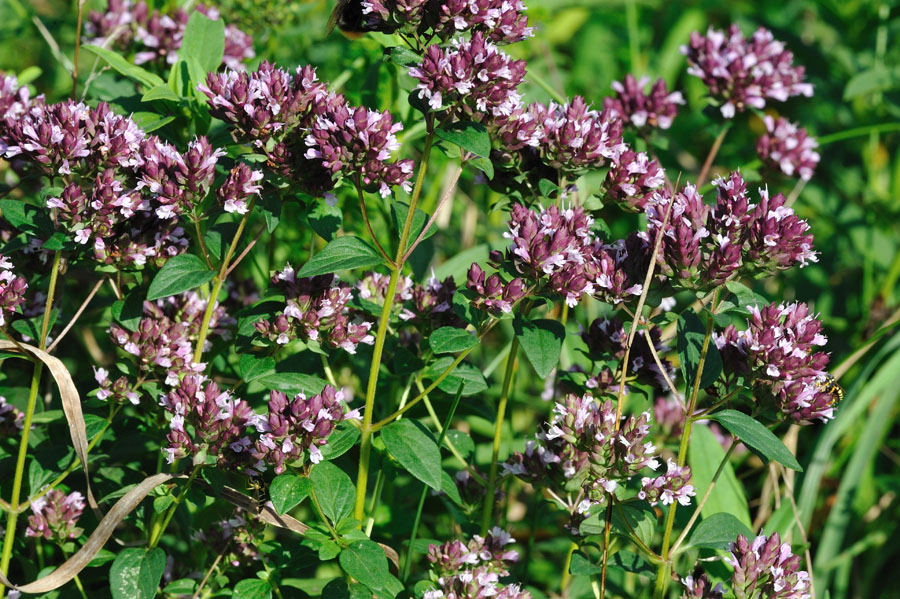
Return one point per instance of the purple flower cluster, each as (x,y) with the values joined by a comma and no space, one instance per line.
(300,425)
(473,78)
(705,245)
(315,310)
(12,289)
(15,100)
(639,109)
(557,247)
(581,443)
(119,390)
(155,37)
(741,72)
(123,190)
(308,134)
(240,185)
(788,148)
(606,338)
(698,586)
(492,294)
(501,21)
(424,306)
(632,180)
(670,487)
(574,137)
(765,568)
(55,516)
(12,419)
(164,339)
(206,420)
(473,570)
(778,351)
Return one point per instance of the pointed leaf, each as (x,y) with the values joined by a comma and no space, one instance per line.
(343,253)
(334,490)
(451,340)
(541,342)
(718,531)
(757,437)
(413,446)
(181,273)
(287,491)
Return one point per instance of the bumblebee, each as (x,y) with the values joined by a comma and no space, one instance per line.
(830,385)
(348,16)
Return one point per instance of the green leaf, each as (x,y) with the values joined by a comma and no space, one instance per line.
(691,335)
(204,41)
(704,455)
(471,377)
(343,253)
(632,562)
(129,311)
(182,586)
(340,441)
(150,121)
(541,342)
(365,561)
(181,273)
(132,71)
(451,340)
(287,491)
(718,531)
(874,80)
(412,445)
(136,573)
(325,220)
(334,490)
(254,367)
(469,136)
(449,488)
(744,295)
(160,92)
(25,217)
(251,588)
(757,437)
(402,56)
(582,566)
(292,382)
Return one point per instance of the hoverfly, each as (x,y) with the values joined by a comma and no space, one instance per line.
(830,385)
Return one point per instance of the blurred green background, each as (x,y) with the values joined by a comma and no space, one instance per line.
(847,496)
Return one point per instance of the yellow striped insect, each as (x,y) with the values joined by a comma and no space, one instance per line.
(830,385)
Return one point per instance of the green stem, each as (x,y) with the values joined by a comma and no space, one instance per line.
(662,573)
(488,509)
(158,530)
(13,516)
(365,446)
(218,282)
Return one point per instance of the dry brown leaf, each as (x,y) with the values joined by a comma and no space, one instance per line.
(71,403)
(75,564)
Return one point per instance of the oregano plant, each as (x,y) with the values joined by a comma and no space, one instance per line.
(224,300)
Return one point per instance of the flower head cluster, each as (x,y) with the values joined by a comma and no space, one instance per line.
(12,289)
(12,419)
(557,246)
(606,338)
(164,338)
(698,586)
(639,109)
(206,420)
(705,245)
(155,37)
(119,390)
(778,351)
(575,137)
(492,294)
(632,179)
(241,184)
(473,78)
(670,487)
(741,72)
(14,100)
(788,148)
(307,133)
(299,425)
(125,188)
(315,310)
(581,443)
(765,568)
(55,516)
(474,569)
(502,21)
